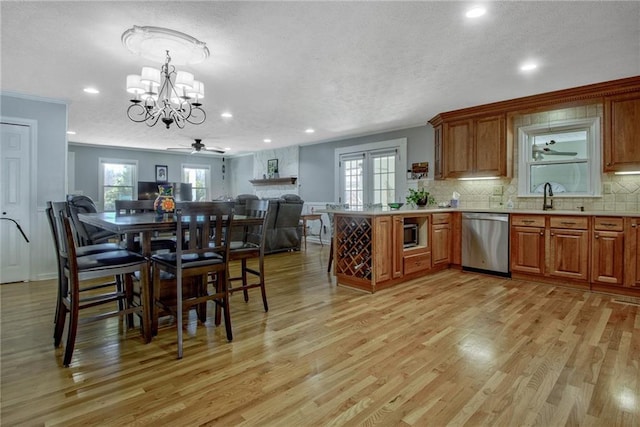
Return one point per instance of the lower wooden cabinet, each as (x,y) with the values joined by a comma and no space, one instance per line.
(569,253)
(527,244)
(607,251)
(631,257)
(551,246)
(440,239)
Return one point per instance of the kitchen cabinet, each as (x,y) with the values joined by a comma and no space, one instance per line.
(527,244)
(631,257)
(474,147)
(555,247)
(438,172)
(440,239)
(607,251)
(621,145)
(569,247)
(383,246)
(398,249)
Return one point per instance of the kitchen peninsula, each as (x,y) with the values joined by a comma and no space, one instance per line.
(595,251)
(372,250)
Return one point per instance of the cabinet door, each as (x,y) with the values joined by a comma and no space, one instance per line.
(383,232)
(631,257)
(621,145)
(490,146)
(527,250)
(398,249)
(569,253)
(607,257)
(440,244)
(438,172)
(458,148)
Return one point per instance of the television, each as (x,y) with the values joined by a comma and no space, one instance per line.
(148,190)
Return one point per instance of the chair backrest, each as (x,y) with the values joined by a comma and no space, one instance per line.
(56,212)
(55,224)
(255,234)
(132,207)
(81,204)
(207,225)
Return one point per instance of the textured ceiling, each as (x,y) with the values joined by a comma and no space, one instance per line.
(342,68)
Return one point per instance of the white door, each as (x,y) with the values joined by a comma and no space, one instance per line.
(14,202)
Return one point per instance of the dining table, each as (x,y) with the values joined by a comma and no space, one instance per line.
(146,225)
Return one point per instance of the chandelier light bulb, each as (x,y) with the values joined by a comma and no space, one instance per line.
(134,85)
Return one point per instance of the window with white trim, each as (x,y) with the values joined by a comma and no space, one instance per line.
(117,180)
(199,178)
(563,153)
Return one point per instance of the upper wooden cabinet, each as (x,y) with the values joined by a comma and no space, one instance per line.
(474,147)
(621,145)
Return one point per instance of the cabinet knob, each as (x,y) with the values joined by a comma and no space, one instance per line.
(542,233)
(552,234)
(597,236)
(634,225)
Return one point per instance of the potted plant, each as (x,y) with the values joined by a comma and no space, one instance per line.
(420,197)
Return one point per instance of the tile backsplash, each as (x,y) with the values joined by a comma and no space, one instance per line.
(624,195)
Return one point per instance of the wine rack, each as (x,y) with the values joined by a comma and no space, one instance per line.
(353,247)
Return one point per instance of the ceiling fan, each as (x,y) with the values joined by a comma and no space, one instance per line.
(198,147)
(539,151)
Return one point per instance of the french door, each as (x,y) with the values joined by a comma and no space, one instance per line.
(369,178)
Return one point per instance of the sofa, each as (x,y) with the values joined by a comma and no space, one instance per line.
(284,230)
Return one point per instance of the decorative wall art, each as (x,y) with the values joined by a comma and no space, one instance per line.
(162,173)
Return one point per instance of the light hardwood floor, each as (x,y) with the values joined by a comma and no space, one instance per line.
(451,348)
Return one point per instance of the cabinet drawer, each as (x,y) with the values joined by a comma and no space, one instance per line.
(573,222)
(527,220)
(440,218)
(607,223)
(417,262)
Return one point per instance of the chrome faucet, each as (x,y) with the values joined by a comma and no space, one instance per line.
(548,206)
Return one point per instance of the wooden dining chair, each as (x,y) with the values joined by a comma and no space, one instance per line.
(104,265)
(248,243)
(204,228)
(54,212)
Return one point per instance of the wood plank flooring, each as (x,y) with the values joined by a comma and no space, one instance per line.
(451,348)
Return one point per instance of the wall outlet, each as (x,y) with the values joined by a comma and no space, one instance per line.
(497,190)
(606,188)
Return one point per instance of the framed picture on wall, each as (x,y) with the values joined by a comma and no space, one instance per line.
(162,173)
(272,167)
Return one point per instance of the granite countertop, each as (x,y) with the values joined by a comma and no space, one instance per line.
(411,210)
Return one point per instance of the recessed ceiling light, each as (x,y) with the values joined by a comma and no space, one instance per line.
(529,66)
(227,148)
(91,90)
(71,132)
(226,115)
(476,12)
(267,140)
(309,130)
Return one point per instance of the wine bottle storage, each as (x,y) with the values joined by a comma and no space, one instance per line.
(354,247)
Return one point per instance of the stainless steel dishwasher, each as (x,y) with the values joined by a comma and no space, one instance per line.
(485,242)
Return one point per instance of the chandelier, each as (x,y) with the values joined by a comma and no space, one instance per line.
(158,98)
(165,94)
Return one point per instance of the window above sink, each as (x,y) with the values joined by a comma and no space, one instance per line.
(565,153)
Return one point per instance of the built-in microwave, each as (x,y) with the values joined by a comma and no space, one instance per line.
(410,235)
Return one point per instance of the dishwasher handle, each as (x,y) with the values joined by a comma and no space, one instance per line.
(485,216)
